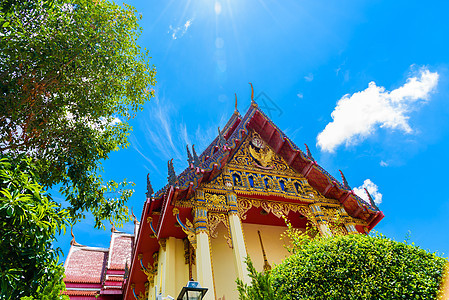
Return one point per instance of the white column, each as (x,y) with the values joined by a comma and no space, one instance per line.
(238,241)
(323,226)
(169,281)
(203,255)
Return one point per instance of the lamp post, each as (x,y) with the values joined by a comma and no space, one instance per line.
(192,291)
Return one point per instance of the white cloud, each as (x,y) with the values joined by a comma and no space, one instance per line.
(359,115)
(372,188)
(309,77)
(179,31)
(166,137)
(383,163)
(300,96)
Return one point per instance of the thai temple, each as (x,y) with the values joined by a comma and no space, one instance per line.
(230,202)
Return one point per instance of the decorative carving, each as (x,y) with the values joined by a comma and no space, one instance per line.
(189,156)
(162,243)
(189,256)
(200,219)
(279,209)
(261,152)
(214,219)
(196,159)
(215,202)
(172,178)
(371,200)
(345,182)
(221,139)
(255,152)
(187,228)
(150,223)
(148,270)
(149,187)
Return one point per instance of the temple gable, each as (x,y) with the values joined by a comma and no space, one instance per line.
(255,169)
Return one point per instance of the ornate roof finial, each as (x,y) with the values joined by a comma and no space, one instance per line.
(309,154)
(196,159)
(171,173)
(134,216)
(371,200)
(113,227)
(236,110)
(73,242)
(252,95)
(345,182)
(189,156)
(221,139)
(149,187)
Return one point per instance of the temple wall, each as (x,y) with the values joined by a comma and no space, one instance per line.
(271,238)
(223,266)
(173,272)
(182,269)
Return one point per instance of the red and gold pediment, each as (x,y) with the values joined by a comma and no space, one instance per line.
(256,170)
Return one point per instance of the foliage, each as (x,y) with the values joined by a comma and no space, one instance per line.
(359,267)
(349,267)
(29,221)
(260,288)
(72,74)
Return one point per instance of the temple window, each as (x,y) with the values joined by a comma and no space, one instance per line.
(237,180)
(282,184)
(251,181)
(267,183)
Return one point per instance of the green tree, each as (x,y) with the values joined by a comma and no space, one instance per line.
(350,267)
(72,75)
(29,221)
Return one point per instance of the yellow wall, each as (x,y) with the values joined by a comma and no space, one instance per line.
(271,238)
(172,268)
(182,269)
(223,266)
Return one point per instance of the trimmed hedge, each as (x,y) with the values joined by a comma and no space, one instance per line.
(358,267)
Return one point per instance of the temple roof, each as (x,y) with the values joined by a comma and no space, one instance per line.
(215,156)
(92,272)
(121,244)
(85,264)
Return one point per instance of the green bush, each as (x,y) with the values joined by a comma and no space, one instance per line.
(29,223)
(357,267)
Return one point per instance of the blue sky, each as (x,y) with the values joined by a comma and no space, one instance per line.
(363,83)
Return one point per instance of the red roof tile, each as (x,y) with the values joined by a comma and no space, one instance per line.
(80,293)
(85,264)
(121,248)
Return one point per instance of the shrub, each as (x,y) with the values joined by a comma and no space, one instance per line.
(357,267)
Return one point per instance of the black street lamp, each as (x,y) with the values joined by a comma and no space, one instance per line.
(192,291)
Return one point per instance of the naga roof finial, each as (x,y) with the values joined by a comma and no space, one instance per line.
(345,182)
(134,216)
(196,159)
(252,95)
(113,227)
(73,242)
(371,200)
(171,173)
(309,154)
(189,156)
(149,187)
(236,110)
(221,139)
